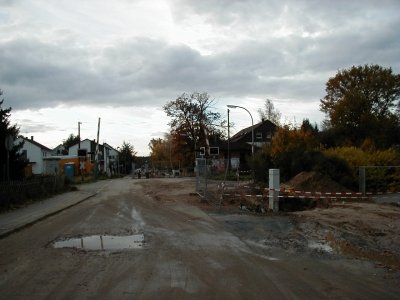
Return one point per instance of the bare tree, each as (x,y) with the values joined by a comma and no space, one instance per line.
(269,112)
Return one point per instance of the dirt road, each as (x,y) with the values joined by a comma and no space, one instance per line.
(188,253)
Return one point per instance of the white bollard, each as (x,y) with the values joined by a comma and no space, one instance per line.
(274,186)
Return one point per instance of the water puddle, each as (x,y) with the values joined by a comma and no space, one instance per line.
(103,242)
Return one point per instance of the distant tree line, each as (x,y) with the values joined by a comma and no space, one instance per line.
(362,112)
(362,128)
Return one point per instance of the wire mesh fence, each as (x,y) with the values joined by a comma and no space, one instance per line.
(379,179)
(215,182)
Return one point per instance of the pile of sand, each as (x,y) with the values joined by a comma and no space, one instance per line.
(315,182)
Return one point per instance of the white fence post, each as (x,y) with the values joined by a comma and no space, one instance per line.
(361,179)
(274,187)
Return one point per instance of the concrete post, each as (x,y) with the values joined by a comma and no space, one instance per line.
(361,179)
(274,186)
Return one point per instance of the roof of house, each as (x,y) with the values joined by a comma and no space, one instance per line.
(60,146)
(32,141)
(109,146)
(93,143)
(247,130)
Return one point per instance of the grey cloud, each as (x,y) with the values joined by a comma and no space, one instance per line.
(148,72)
(7,2)
(33,126)
(226,12)
(301,12)
(37,74)
(377,44)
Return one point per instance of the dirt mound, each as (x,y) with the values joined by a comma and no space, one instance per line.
(315,182)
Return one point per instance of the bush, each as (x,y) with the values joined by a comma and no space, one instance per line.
(296,150)
(261,163)
(336,168)
(292,150)
(377,179)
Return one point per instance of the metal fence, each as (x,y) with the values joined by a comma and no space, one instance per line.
(201,177)
(379,179)
(212,182)
(209,177)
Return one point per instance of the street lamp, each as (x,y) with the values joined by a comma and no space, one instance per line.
(252,126)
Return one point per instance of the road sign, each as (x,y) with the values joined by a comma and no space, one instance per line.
(9,142)
(82,153)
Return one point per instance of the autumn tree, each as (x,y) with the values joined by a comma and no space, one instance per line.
(269,112)
(294,150)
(363,102)
(191,117)
(127,155)
(161,152)
(16,161)
(158,149)
(167,152)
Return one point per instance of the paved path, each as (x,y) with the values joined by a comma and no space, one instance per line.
(15,220)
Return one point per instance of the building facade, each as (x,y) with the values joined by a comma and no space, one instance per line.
(35,153)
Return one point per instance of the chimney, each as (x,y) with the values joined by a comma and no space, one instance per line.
(31,137)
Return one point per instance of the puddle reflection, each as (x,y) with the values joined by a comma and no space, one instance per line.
(103,242)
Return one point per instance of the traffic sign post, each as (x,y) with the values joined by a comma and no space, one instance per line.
(82,153)
(82,166)
(9,144)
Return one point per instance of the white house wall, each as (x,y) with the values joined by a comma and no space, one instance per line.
(73,150)
(35,155)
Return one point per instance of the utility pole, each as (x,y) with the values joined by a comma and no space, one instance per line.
(79,147)
(96,158)
(9,144)
(79,134)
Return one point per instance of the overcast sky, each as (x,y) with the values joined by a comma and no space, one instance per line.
(65,61)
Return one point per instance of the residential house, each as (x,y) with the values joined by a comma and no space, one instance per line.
(240,144)
(59,150)
(107,156)
(111,159)
(35,153)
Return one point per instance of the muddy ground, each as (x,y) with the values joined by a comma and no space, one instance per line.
(194,250)
(357,228)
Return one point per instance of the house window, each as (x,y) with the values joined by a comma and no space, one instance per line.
(269,135)
(259,135)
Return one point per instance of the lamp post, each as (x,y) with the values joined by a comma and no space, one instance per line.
(229,141)
(118,149)
(252,127)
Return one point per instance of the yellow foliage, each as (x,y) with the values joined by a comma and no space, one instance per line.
(378,179)
(356,157)
(289,140)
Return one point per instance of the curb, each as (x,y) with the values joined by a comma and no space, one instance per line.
(21,227)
